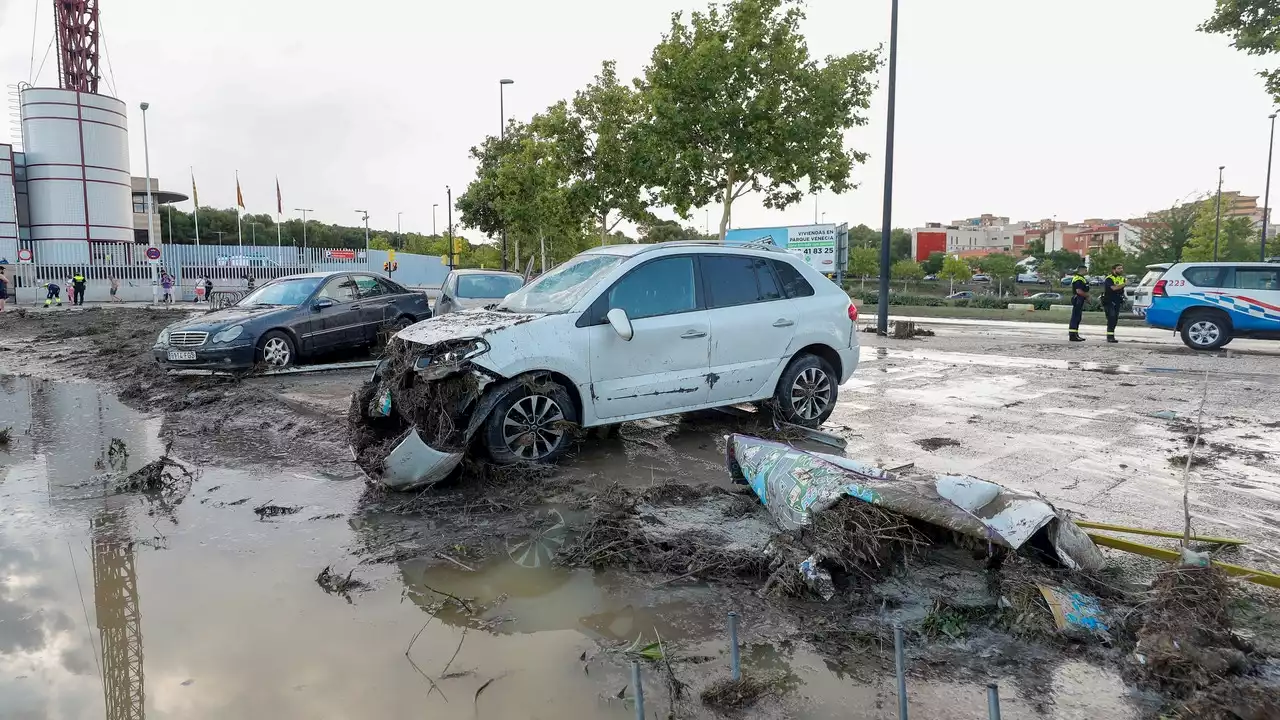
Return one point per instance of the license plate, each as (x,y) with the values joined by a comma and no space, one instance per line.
(182,354)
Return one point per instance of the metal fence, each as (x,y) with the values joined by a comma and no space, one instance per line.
(229,267)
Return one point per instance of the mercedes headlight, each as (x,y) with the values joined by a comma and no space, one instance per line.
(229,334)
(164,337)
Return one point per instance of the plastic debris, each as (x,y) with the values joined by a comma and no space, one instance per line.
(1074,612)
(1164,414)
(381,406)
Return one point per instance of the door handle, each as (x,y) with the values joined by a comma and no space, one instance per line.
(782,322)
(691,334)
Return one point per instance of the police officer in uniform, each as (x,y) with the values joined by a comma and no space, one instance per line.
(1113,299)
(1079,296)
(78,282)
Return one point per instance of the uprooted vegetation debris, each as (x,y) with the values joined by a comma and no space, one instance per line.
(740,694)
(335,583)
(269,510)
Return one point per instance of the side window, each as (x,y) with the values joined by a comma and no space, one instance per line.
(769,287)
(368,287)
(450,286)
(1252,278)
(793,283)
(1204,276)
(661,287)
(339,290)
(390,288)
(730,280)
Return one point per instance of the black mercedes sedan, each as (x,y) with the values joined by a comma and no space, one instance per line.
(290,319)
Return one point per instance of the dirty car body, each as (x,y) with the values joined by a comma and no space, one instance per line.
(622,333)
(291,318)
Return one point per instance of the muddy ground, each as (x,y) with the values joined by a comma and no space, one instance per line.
(526,616)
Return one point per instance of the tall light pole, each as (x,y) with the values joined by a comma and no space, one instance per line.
(882,320)
(399,239)
(448,230)
(365,217)
(304,212)
(1266,202)
(1217,221)
(502,134)
(433,218)
(151,212)
(253,232)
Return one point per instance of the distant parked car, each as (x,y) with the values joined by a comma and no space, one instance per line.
(1046,296)
(981,278)
(962,295)
(930,277)
(291,318)
(1028,277)
(465,289)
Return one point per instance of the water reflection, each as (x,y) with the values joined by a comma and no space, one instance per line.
(119,616)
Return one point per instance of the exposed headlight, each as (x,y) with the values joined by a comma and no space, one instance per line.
(164,337)
(229,334)
(453,357)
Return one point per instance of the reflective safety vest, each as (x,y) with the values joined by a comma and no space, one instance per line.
(77,279)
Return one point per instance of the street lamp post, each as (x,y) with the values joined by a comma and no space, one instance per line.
(151,220)
(365,217)
(1217,220)
(1266,203)
(448,230)
(502,134)
(304,212)
(882,320)
(399,239)
(253,233)
(433,218)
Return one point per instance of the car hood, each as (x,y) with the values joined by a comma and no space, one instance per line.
(463,324)
(228,316)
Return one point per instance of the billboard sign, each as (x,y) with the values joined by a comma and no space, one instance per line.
(344,255)
(815,244)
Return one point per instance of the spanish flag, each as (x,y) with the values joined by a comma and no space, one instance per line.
(239,197)
(195,196)
(279,199)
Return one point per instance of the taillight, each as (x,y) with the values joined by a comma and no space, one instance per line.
(853,312)
(1158,290)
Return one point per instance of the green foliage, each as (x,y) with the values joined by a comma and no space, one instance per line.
(906,270)
(895,298)
(1065,260)
(1049,272)
(656,231)
(735,104)
(1001,267)
(1254,27)
(215,220)
(1104,258)
(1034,248)
(1166,240)
(864,262)
(933,264)
(863,236)
(954,269)
(899,244)
(1236,241)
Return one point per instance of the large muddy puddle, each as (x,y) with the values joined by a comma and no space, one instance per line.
(191,605)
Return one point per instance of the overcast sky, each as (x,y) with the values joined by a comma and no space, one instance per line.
(1092,108)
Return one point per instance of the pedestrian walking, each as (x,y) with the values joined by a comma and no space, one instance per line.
(71,292)
(199,290)
(78,281)
(1079,296)
(1113,299)
(166,282)
(249,281)
(115,289)
(52,293)
(208,290)
(4,289)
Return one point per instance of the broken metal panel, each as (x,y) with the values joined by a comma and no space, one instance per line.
(414,464)
(464,324)
(795,483)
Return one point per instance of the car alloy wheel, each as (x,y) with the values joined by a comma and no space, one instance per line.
(540,548)
(810,393)
(1204,332)
(276,352)
(533,427)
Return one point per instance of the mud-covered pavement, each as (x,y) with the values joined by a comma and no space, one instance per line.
(214,610)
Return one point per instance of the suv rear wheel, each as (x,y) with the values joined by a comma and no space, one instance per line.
(1205,330)
(807,391)
(534,423)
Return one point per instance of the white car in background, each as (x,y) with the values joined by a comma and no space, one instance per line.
(625,332)
(467,289)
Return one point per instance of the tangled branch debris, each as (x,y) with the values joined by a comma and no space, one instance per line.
(268,510)
(730,694)
(162,475)
(337,584)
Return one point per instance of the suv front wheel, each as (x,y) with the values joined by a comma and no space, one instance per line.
(1205,330)
(807,391)
(535,422)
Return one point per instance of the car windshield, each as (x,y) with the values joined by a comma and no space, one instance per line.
(488,286)
(561,288)
(283,292)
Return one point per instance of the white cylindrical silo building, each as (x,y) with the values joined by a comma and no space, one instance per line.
(77,165)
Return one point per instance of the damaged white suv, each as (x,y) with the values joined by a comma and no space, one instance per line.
(617,333)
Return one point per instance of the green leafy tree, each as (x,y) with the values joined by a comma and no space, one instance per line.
(933,264)
(1002,268)
(864,262)
(1034,248)
(954,269)
(1065,260)
(899,244)
(863,236)
(974,262)
(1254,27)
(656,231)
(1165,240)
(1106,257)
(1237,240)
(735,104)
(906,270)
(1049,273)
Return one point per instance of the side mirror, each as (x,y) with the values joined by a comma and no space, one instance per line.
(621,323)
(321,304)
